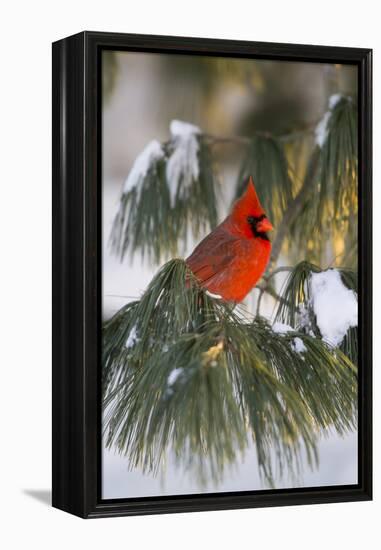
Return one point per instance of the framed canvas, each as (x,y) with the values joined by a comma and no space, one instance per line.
(211,274)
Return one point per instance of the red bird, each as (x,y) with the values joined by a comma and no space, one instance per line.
(232,258)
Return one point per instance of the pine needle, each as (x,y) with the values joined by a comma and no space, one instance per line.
(184,374)
(147,222)
(266,162)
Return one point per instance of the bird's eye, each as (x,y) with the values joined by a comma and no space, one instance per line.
(250,219)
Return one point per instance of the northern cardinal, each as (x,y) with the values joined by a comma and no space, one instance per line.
(232,258)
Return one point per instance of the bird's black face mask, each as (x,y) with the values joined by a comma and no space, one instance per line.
(254,221)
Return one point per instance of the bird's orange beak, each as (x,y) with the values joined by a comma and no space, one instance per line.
(264,225)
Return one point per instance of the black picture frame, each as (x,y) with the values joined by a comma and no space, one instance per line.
(77,270)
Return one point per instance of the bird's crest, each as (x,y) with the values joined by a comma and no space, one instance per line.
(248,204)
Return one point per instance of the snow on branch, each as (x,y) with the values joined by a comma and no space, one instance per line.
(240,378)
(322,304)
(321,130)
(170,193)
(183,164)
(152,153)
(334,305)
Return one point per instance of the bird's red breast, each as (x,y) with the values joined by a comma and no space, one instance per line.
(232,258)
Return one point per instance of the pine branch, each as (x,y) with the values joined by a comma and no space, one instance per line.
(156,212)
(294,208)
(265,286)
(330,213)
(182,372)
(244,140)
(266,162)
(296,308)
(155,216)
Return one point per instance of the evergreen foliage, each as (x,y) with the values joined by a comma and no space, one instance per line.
(338,163)
(265,160)
(183,371)
(296,310)
(330,207)
(149,222)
